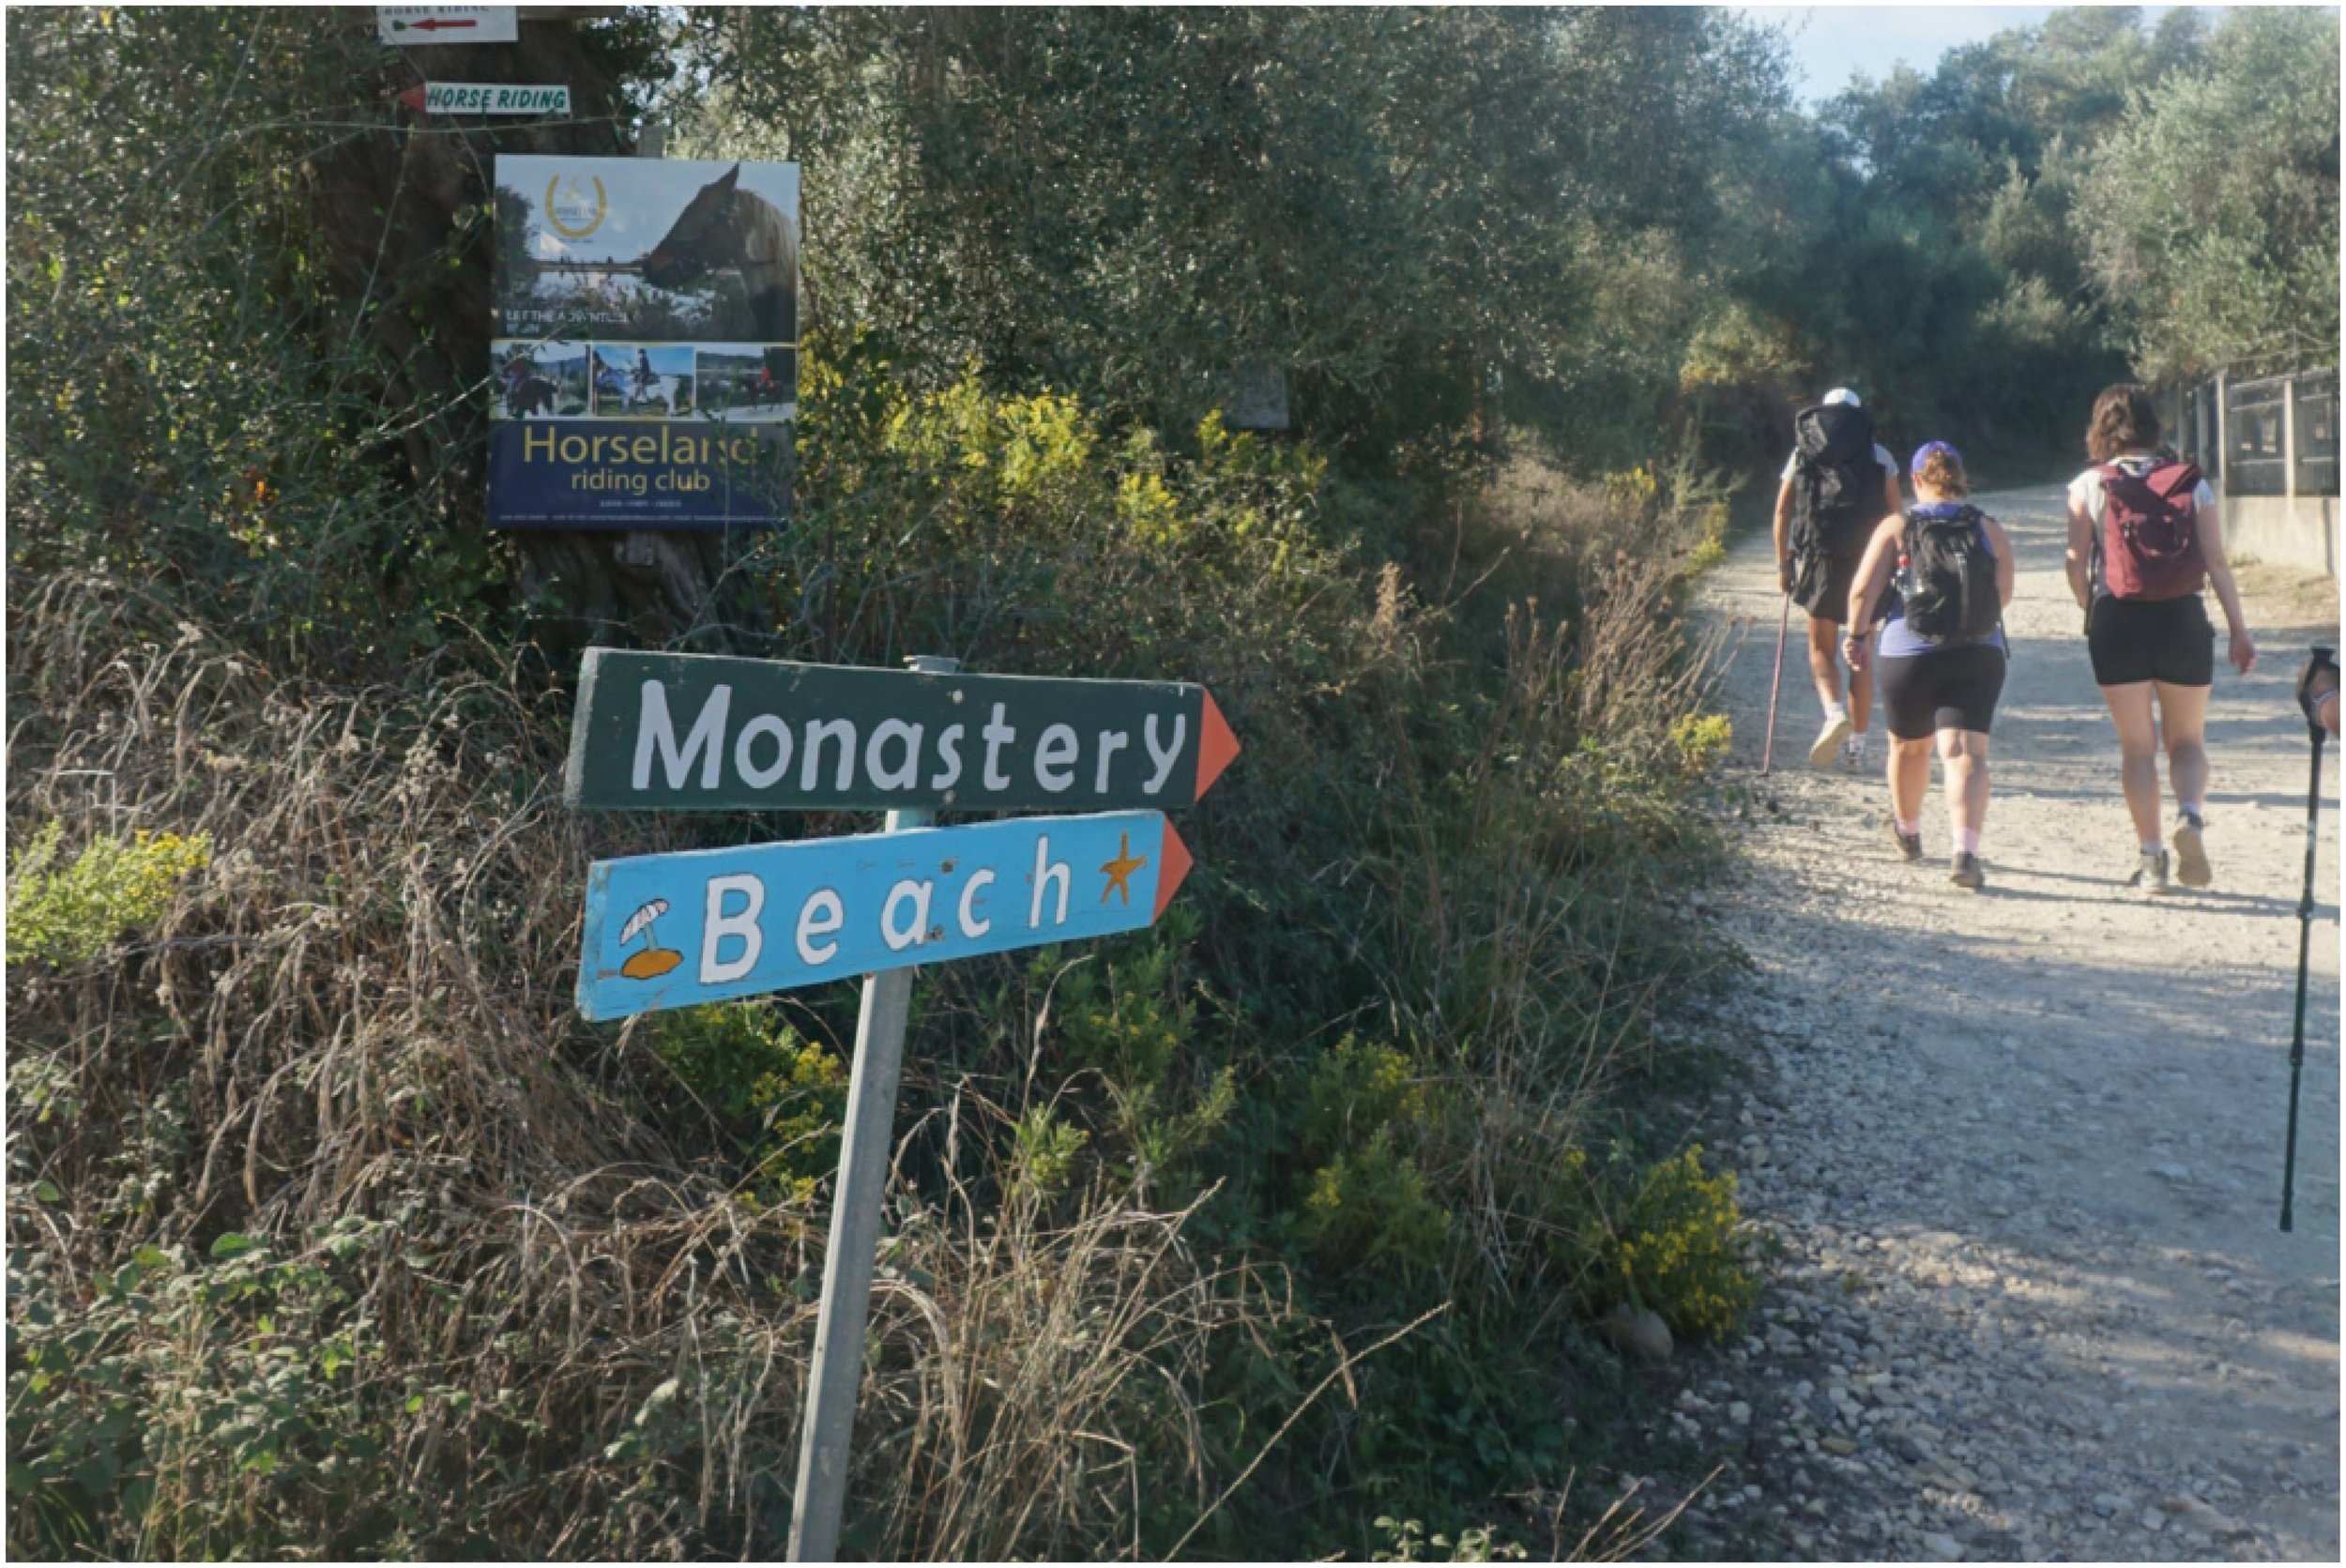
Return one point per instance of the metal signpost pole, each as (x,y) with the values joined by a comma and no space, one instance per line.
(855,1224)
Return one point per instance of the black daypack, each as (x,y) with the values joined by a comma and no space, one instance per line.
(1838,481)
(1947,577)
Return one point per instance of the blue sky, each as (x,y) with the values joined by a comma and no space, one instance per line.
(1830,43)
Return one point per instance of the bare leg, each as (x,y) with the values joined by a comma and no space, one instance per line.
(1910,777)
(2137,753)
(1825,659)
(1963,754)
(1861,698)
(2182,716)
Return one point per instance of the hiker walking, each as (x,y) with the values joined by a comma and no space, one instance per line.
(1837,484)
(2144,538)
(1940,663)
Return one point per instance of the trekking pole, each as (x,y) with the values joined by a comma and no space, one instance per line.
(1776,686)
(2321,656)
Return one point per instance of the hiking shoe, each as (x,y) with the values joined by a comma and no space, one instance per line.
(2151,875)
(2191,867)
(1830,740)
(1910,844)
(1964,871)
(1853,758)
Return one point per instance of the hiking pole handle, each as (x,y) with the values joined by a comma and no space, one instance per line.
(2322,657)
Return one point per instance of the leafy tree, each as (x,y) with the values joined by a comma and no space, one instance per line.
(1401,210)
(2211,215)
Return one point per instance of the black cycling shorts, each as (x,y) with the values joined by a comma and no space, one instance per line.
(1949,688)
(2134,640)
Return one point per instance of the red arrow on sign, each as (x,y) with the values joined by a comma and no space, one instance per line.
(1172,866)
(413,97)
(1216,745)
(435,25)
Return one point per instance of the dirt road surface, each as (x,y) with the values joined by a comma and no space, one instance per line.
(2023,1149)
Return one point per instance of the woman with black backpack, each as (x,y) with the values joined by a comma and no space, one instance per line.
(1940,666)
(2144,538)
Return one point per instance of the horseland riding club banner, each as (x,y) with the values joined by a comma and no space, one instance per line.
(644,343)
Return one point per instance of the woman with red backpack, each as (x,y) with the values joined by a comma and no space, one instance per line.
(2144,538)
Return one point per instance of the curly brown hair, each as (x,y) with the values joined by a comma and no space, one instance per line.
(2125,420)
(1943,471)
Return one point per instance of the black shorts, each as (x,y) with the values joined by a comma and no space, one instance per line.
(2134,640)
(1822,582)
(1953,687)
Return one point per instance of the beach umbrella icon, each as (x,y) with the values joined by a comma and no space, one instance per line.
(653,960)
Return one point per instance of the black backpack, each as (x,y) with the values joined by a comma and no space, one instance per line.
(1947,577)
(1838,481)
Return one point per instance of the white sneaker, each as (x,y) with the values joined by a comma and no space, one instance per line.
(2191,867)
(1830,740)
(1853,758)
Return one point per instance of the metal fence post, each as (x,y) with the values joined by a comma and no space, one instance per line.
(2223,439)
(2289,438)
(837,1368)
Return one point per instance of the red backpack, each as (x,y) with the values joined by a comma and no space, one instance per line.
(2150,540)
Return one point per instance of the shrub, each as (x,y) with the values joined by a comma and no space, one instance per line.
(1369,1206)
(182,1405)
(62,914)
(786,1096)
(1674,1242)
(1703,741)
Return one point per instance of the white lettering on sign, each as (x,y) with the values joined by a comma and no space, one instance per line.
(818,732)
(821,915)
(907,775)
(971,926)
(1111,742)
(725,746)
(493,97)
(413,25)
(752,774)
(949,747)
(1164,759)
(998,735)
(1054,758)
(1045,872)
(896,936)
(741,923)
(655,729)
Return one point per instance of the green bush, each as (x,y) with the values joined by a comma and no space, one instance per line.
(183,1405)
(1671,1239)
(785,1096)
(61,914)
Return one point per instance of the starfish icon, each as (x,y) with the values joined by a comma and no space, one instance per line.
(1120,870)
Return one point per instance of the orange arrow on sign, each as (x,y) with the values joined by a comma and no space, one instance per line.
(1173,861)
(1216,747)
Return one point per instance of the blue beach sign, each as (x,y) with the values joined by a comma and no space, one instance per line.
(667,931)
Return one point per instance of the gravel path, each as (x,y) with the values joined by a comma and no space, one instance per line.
(2022,1149)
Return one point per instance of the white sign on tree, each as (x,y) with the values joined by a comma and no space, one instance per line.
(412,25)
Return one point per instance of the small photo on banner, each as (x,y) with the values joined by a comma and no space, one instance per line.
(644,323)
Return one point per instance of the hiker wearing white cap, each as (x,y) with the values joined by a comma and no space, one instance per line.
(1836,485)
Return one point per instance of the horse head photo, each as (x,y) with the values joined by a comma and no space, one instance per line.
(533,394)
(725,226)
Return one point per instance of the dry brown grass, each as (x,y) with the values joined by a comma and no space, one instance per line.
(361,1002)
